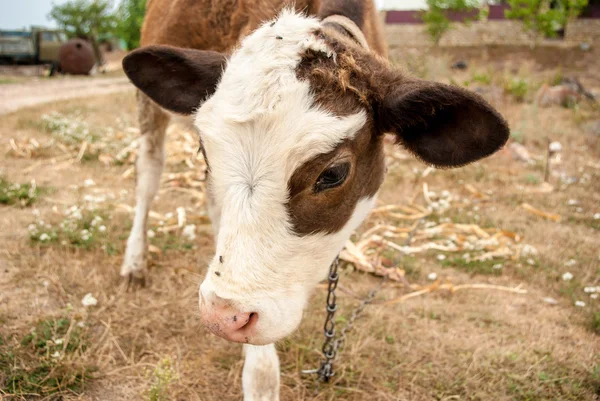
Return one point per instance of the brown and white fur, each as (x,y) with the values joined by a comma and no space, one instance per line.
(291,123)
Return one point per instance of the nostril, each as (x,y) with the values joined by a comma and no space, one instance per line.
(251,321)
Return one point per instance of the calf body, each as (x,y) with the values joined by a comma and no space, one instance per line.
(291,124)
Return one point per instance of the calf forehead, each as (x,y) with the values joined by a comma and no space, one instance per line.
(260,105)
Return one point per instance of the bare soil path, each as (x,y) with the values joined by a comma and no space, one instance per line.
(20,95)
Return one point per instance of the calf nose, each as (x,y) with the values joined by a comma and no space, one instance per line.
(225,321)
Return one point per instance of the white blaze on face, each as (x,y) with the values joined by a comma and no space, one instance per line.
(258,127)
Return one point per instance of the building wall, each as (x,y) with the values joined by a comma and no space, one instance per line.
(496,32)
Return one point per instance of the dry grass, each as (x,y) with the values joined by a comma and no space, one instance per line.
(474,344)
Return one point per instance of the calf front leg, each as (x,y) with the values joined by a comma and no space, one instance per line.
(260,378)
(149,166)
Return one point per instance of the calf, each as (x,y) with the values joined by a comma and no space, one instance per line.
(291,125)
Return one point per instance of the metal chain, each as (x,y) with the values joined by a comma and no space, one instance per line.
(331,345)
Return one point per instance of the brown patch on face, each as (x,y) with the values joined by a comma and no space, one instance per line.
(329,210)
(342,90)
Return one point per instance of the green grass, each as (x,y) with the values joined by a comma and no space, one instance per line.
(171,241)
(517,87)
(586,221)
(594,323)
(532,179)
(22,195)
(8,81)
(482,78)
(46,361)
(474,267)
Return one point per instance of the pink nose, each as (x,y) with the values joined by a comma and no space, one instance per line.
(224,321)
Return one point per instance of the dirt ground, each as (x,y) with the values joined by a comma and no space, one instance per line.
(489,343)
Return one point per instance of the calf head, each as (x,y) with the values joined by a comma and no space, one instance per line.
(292,125)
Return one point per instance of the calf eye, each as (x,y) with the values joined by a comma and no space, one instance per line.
(333,177)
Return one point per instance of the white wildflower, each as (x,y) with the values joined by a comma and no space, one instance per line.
(189,232)
(567,276)
(102,229)
(550,301)
(593,296)
(89,183)
(59,341)
(181,218)
(528,250)
(32,228)
(36,212)
(151,234)
(555,147)
(531,262)
(441,257)
(89,300)
(56,354)
(581,304)
(497,266)
(88,198)
(169,216)
(570,262)
(44,237)
(596,216)
(573,202)
(432,276)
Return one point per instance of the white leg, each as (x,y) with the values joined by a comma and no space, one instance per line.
(149,166)
(260,378)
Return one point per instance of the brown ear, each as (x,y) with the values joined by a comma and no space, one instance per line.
(443,125)
(177,79)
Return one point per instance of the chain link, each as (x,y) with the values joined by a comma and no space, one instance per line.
(331,345)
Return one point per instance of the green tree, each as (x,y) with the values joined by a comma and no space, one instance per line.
(544,18)
(130,17)
(85,19)
(436,19)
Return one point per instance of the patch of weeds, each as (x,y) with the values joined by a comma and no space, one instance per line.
(594,325)
(474,267)
(412,271)
(80,228)
(69,128)
(49,361)
(517,87)
(557,79)
(586,221)
(161,378)
(19,194)
(482,78)
(517,136)
(170,241)
(532,179)
(7,81)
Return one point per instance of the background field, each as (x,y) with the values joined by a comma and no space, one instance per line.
(148,344)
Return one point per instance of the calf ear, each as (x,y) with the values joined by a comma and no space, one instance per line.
(443,125)
(177,79)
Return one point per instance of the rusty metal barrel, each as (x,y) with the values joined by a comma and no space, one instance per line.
(76,57)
